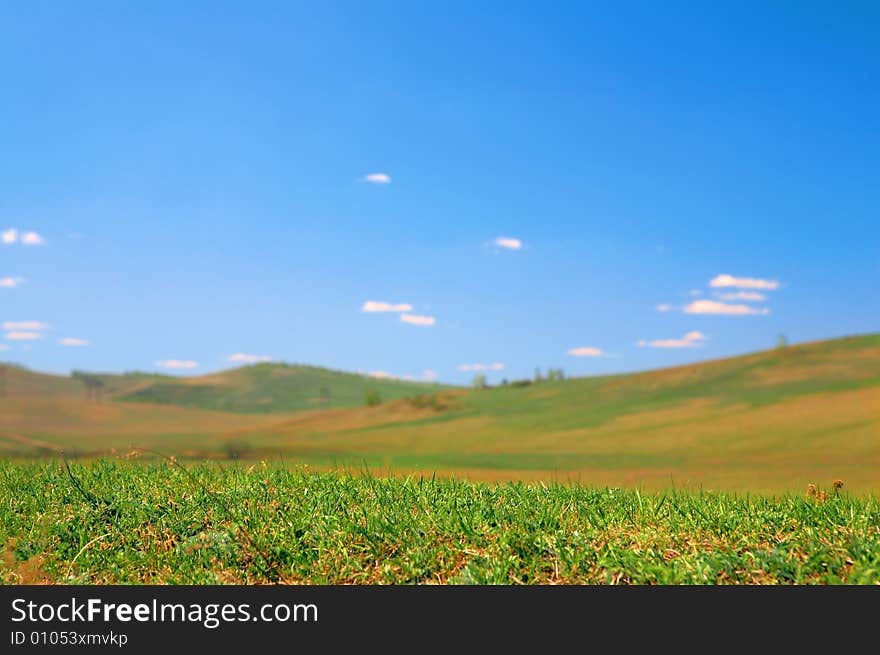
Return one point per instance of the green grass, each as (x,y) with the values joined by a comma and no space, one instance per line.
(133,523)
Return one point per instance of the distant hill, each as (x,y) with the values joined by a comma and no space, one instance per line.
(259,388)
(271,387)
(17,381)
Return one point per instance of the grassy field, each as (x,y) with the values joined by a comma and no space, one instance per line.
(767,422)
(130,523)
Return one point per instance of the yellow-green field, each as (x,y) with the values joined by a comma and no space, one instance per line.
(767,422)
(106,522)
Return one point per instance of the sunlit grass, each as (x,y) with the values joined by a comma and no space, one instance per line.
(117,522)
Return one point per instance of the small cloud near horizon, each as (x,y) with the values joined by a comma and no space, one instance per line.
(722,309)
(427,376)
(381,375)
(693,339)
(725,280)
(72,341)
(243,358)
(9,236)
(663,307)
(177,364)
(586,351)
(10,282)
(381,306)
(415,319)
(378,178)
(496,366)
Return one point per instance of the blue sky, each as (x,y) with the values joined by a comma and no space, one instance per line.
(187,181)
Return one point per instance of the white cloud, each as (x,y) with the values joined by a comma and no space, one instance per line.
(71,341)
(32,239)
(415,319)
(378,178)
(381,375)
(24,325)
(695,292)
(751,296)
(508,242)
(496,366)
(379,306)
(10,282)
(663,307)
(177,363)
(242,358)
(690,340)
(427,376)
(585,351)
(23,336)
(725,280)
(714,307)
(27,238)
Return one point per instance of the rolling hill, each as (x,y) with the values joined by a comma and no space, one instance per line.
(769,420)
(766,421)
(267,388)
(259,388)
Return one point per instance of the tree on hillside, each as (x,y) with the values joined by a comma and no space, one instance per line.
(538,377)
(479,381)
(372,398)
(554,374)
(92,384)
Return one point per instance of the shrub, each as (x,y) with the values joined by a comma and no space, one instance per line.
(236,448)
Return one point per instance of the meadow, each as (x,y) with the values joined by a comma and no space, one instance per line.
(122,522)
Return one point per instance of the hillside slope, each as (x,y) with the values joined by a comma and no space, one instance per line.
(265,388)
(17,381)
(767,420)
(259,389)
